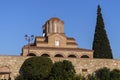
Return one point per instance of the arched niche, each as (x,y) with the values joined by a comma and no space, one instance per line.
(5,73)
(31,54)
(72,56)
(45,55)
(58,55)
(84,56)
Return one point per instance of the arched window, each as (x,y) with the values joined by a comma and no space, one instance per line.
(84,56)
(31,54)
(45,55)
(72,56)
(58,55)
(5,73)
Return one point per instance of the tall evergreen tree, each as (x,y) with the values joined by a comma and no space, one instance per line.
(101,45)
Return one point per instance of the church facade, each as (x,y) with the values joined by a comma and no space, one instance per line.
(57,46)
(54,43)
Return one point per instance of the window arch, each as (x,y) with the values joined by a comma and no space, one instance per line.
(5,73)
(58,55)
(45,55)
(72,56)
(84,56)
(31,54)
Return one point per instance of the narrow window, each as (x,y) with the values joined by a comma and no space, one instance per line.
(55,27)
(57,43)
(84,70)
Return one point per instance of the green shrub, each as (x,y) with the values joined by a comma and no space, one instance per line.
(36,68)
(62,70)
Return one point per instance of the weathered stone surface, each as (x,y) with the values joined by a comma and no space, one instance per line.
(13,63)
(82,66)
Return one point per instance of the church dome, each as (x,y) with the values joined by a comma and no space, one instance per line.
(53,25)
(53,19)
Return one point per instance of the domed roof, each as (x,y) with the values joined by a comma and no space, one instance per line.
(55,19)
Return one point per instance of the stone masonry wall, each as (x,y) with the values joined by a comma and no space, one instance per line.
(64,52)
(82,66)
(88,66)
(13,63)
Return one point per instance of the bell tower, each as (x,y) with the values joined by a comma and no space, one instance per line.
(52,26)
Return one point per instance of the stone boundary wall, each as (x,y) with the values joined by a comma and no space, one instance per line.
(88,66)
(13,63)
(82,66)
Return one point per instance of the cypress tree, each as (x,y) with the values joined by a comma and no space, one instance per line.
(101,45)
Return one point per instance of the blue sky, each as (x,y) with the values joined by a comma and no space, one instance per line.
(20,17)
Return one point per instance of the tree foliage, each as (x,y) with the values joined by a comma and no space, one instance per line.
(62,70)
(91,77)
(101,45)
(36,68)
(20,77)
(105,74)
(115,74)
(79,77)
(42,68)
